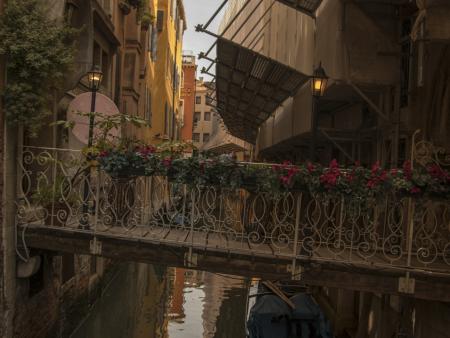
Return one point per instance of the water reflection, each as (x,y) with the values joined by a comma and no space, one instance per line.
(144,301)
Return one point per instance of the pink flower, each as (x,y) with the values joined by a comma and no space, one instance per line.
(394,172)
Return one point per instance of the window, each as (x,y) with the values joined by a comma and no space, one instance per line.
(207,116)
(405,62)
(196,137)
(198,100)
(153,43)
(197,116)
(205,137)
(148,106)
(166,119)
(102,60)
(160,21)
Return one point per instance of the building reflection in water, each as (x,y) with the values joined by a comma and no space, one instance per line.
(145,301)
(205,299)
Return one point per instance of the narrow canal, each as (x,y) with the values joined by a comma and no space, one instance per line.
(144,301)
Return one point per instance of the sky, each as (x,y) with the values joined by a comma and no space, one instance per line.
(199,12)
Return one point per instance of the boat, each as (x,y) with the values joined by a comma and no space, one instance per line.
(284,311)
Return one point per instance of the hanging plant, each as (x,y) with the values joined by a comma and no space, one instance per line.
(39,51)
(146,20)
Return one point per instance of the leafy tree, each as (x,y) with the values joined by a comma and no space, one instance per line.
(39,51)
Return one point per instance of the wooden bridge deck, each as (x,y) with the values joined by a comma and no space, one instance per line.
(218,252)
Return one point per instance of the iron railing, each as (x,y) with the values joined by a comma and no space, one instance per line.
(393,232)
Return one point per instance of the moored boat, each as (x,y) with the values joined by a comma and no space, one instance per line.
(284,311)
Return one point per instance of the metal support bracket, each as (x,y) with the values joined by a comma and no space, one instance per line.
(406,285)
(95,247)
(190,259)
(295,271)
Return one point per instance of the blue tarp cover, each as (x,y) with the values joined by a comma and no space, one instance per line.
(271,317)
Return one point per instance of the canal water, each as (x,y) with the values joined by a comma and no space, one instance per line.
(144,301)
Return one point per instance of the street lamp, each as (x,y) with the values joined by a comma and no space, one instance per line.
(319,81)
(94,78)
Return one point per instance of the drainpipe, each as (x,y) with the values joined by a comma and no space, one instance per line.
(172,127)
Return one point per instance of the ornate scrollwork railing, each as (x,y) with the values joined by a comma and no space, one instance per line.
(391,232)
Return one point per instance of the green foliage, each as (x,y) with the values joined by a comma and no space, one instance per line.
(39,52)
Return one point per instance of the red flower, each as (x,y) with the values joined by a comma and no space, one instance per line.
(286,180)
(407,169)
(330,177)
(146,150)
(394,172)
(292,171)
(375,167)
(415,190)
(167,162)
(310,167)
(334,164)
(438,173)
(357,163)
(103,153)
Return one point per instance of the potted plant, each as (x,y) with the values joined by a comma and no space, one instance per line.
(125,7)
(146,20)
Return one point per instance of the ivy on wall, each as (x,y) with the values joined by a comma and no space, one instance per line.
(39,51)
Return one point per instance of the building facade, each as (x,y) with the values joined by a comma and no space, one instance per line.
(188,96)
(139,54)
(166,85)
(202,119)
(388,67)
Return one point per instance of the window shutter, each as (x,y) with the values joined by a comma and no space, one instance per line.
(160,21)
(154,43)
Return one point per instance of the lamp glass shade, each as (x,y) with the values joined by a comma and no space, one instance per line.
(319,82)
(95,77)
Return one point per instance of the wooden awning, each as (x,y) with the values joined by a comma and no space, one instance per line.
(250,87)
(306,6)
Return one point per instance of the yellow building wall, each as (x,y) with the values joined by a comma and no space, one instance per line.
(169,50)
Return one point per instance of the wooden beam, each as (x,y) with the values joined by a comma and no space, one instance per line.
(268,267)
(369,102)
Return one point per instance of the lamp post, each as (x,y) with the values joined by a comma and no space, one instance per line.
(94,78)
(319,81)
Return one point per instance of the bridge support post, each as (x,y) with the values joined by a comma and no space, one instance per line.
(189,258)
(296,275)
